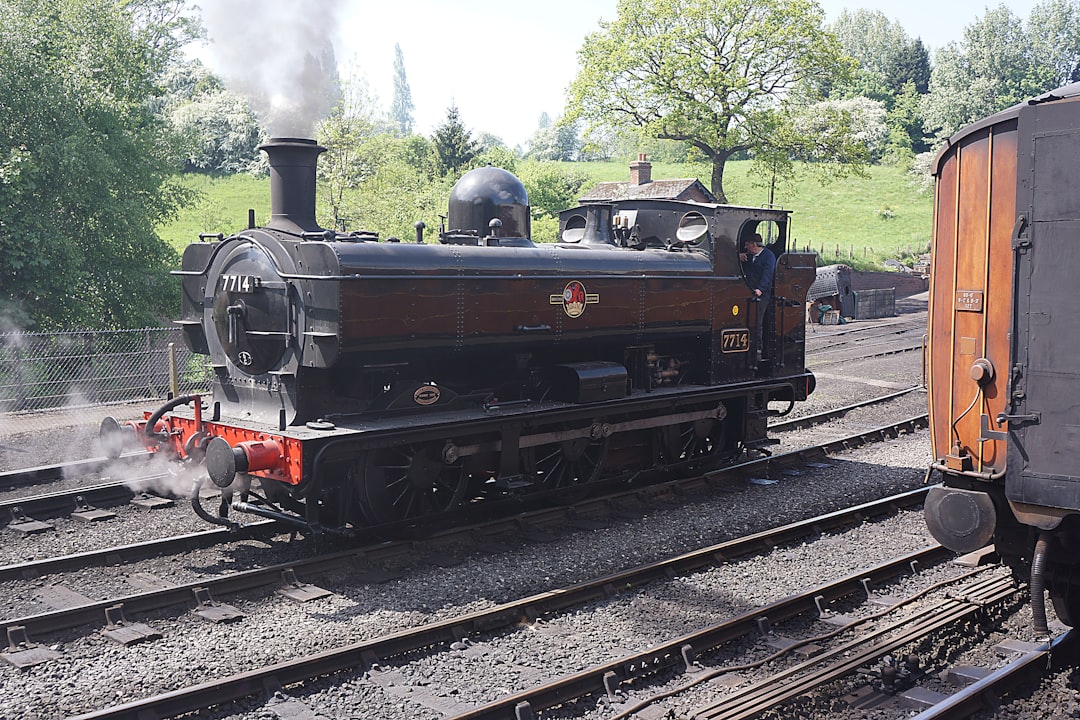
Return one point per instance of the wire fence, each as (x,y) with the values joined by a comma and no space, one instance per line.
(42,372)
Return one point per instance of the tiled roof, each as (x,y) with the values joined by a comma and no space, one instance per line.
(678,189)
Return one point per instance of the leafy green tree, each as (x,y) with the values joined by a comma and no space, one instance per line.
(716,74)
(872,40)
(164,28)
(350,158)
(1054,34)
(370,178)
(397,193)
(552,187)
(487,141)
(853,128)
(891,65)
(905,123)
(218,130)
(998,63)
(559,141)
(84,165)
(910,65)
(401,108)
(399,186)
(887,57)
(419,152)
(454,145)
(498,155)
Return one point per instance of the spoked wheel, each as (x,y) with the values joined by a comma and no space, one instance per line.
(408,482)
(692,446)
(565,464)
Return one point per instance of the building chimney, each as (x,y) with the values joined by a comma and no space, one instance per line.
(640,171)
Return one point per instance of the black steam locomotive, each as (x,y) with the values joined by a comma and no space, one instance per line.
(359,381)
(1004,325)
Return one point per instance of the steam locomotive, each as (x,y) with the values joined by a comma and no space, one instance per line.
(359,381)
(1004,330)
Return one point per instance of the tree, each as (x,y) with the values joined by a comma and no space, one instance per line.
(854,127)
(487,141)
(552,188)
(349,160)
(84,166)
(1000,63)
(218,129)
(1054,34)
(713,73)
(164,27)
(402,106)
(560,141)
(872,40)
(454,145)
(910,65)
(888,58)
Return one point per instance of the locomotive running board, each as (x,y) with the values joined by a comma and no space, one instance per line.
(595,431)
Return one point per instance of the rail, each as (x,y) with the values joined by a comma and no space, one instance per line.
(369,653)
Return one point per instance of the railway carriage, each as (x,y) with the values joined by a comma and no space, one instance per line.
(359,381)
(1004,333)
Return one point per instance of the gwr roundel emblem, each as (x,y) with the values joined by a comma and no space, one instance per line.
(574,299)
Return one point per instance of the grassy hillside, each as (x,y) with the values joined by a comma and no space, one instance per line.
(221,206)
(860,221)
(866,219)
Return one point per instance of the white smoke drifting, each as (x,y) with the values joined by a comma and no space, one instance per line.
(280,55)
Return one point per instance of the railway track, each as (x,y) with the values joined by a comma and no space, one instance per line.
(775,689)
(860,641)
(84,612)
(1059,653)
(443,636)
(28,477)
(848,343)
(825,338)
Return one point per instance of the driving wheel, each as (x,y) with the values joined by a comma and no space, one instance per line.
(406,482)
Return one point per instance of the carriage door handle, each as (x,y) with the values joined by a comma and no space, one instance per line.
(1034,418)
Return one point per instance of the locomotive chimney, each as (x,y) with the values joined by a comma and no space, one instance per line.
(640,171)
(292,183)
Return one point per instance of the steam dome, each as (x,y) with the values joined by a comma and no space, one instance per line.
(488,193)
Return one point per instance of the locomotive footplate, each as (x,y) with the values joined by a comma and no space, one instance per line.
(504,429)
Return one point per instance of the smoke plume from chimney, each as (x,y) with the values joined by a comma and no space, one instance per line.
(280,55)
